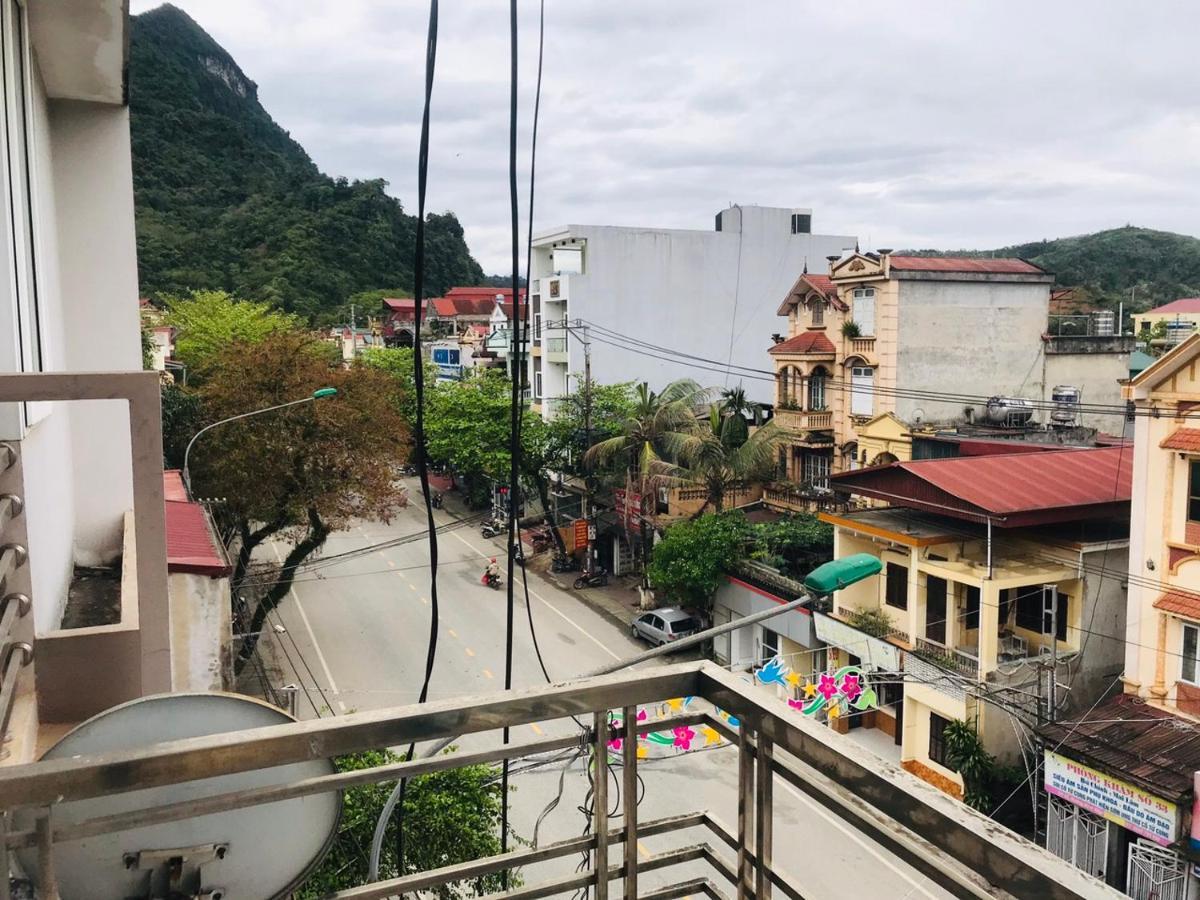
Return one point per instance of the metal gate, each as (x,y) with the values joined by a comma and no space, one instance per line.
(1155,873)
(1077,836)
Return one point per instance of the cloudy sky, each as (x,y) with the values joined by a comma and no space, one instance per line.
(963,123)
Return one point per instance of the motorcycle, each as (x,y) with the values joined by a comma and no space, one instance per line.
(436,500)
(596,578)
(408,471)
(563,562)
(493,527)
(540,540)
(492,581)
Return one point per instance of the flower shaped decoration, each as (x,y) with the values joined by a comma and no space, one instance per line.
(851,686)
(683,737)
(828,686)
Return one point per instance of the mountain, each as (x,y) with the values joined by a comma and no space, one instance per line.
(1108,265)
(227,199)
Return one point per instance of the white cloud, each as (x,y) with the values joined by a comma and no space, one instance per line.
(932,123)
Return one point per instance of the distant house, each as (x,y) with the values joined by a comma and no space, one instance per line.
(450,316)
(1181,317)
(352,341)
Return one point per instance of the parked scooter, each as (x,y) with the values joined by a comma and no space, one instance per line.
(540,539)
(598,577)
(563,562)
(408,471)
(493,527)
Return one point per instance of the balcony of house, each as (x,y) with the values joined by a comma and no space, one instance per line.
(554,349)
(802,496)
(803,421)
(861,346)
(688,501)
(51,811)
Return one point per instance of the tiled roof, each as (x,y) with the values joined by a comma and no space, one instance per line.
(964,264)
(1180,602)
(1187,439)
(806,342)
(191,545)
(1012,489)
(1133,741)
(1184,305)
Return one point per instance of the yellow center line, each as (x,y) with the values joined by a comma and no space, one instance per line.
(452,632)
(470,652)
(391,565)
(487,674)
(423,600)
(535,728)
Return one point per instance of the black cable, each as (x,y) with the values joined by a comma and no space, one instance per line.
(419,389)
(514,437)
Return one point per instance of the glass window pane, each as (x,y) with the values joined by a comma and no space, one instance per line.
(1189,653)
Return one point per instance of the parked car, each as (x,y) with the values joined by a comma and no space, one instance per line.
(664,625)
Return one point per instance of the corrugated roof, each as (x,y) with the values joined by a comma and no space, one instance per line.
(964,264)
(191,545)
(1182,305)
(806,342)
(1012,489)
(1138,743)
(1187,439)
(1181,603)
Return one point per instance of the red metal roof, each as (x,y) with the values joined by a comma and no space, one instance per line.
(1012,489)
(1186,439)
(191,545)
(964,264)
(806,342)
(1180,602)
(1183,305)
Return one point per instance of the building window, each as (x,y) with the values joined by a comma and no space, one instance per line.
(862,390)
(770,646)
(1191,643)
(896,589)
(1035,610)
(1193,509)
(971,614)
(818,313)
(801,223)
(816,469)
(935,609)
(537,385)
(937,739)
(816,390)
(864,311)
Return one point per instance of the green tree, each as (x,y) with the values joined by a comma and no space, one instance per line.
(452,816)
(710,459)
(965,754)
(209,322)
(299,473)
(738,413)
(182,417)
(398,363)
(147,347)
(689,561)
(795,545)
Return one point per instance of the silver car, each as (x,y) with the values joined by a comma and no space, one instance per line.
(664,625)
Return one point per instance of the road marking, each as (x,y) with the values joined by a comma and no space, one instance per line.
(642,849)
(470,652)
(488,674)
(411,586)
(451,632)
(535,728)
(391,565)
(425,601)
(591,637)
(312,637)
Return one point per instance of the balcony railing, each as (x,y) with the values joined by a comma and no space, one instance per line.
(957,659)
(804,420)
(958,848)
(16,626)
(863,346)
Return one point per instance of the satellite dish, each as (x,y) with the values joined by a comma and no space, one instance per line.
(254,852)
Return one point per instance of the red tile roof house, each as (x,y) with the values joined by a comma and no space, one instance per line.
(458,309)
(993,566)
(198,593)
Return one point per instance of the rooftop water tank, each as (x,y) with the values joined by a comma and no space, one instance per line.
(1008,412)
(1066,399)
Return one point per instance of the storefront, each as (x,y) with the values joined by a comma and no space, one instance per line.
(1119,788)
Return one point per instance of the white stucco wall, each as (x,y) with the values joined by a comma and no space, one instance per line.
(1098,376)
(201,631)
(708,293)
(977,338)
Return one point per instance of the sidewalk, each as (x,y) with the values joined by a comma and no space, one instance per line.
(617,602)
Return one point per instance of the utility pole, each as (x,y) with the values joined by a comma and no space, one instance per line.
(587,432)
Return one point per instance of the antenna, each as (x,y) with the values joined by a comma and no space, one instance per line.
(260,851)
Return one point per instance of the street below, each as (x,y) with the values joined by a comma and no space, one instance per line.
(352,635)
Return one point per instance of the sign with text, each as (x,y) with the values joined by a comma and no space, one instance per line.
(1116,800)
(1195,835)
(581,533)
(628,506)
(873,652)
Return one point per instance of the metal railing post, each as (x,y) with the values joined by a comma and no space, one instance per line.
(766,806)
(629,785)
(47,881)
(600,803)
(745,883)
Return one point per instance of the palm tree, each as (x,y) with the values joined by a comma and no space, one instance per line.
(738,414)
(656,429)
(707,459)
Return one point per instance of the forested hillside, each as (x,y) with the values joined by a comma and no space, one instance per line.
(1108,265)
(226,199)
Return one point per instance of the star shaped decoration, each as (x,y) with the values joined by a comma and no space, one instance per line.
(676,704)
(793,679)
(810,690)
(834,712)
(642,752)
(711,735)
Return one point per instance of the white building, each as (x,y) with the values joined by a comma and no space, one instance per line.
(712,294)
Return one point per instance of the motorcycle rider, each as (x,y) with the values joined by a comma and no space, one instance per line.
(492,572)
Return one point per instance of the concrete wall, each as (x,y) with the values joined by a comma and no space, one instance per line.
(1097,375)
(977,338)
(735,599)
(201,631)
(713,294)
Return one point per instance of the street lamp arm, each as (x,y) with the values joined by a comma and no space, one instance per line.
(187,478)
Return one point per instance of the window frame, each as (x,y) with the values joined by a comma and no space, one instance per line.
(937,738)
(818,467)
(938,626)
(816,391)
(901,579)
(537,385)
(1193,499)
(1192,629)
(972,597)
(863,299)
(817,313)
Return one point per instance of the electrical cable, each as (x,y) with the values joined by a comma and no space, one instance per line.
(420,442)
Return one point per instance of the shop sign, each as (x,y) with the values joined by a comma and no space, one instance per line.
(582,533)
(1116,800)
(874,652)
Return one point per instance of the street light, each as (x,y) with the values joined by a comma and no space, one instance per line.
(318,394)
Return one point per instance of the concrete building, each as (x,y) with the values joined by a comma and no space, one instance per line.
(1181,319)
(869,348)
(712,292)
(1121,777)
(994,569)
(81,481)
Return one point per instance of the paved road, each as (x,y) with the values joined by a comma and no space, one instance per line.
(356,637)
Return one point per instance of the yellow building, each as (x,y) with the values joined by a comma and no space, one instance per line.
(993,572)
(1181,318)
